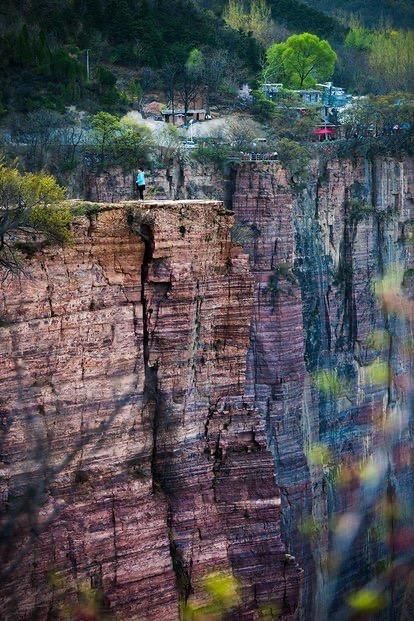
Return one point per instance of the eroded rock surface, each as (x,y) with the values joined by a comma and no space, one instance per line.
(132,461)
(315,254)
(139,447)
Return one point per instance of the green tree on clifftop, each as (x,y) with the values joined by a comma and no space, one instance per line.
(300,61)
(119,142)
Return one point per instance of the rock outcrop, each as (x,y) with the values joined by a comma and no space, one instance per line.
(315,254)
(189,180)
(132,461)
(160,403)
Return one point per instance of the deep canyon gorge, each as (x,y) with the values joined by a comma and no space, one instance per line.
(158,402)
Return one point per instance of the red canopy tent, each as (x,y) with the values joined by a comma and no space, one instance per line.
(324,133)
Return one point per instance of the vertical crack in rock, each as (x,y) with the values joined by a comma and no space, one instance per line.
(113,517)
(151,395)
(80,354)
(153,400)
(348,328)
(182,574)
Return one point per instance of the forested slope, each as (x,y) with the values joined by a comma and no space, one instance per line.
(43,43)
(400,13)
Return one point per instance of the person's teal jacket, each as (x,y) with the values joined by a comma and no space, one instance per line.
(140,178)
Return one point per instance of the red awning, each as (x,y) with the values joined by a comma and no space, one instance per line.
(324,131)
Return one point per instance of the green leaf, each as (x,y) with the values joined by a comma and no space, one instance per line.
(378,339)
(222,588)
(319,455)
(329,383)
(367,601)
(378,373)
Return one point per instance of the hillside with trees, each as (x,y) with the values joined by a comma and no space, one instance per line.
(106,54)
(397,13)
(70,71)
(45,46)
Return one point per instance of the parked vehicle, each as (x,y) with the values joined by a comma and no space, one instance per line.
(189,144)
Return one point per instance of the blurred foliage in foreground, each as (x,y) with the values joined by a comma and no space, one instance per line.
(221,593)
(371,507)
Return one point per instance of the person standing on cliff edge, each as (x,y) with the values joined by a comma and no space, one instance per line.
(140,183)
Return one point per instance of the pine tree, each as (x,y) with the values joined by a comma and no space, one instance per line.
(42,53)
(121,22)
(24,49)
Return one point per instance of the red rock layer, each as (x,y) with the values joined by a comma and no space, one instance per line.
(179,181)
(264,202)
(316,237)
(131,461)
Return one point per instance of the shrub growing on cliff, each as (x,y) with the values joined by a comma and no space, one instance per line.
(280,280)
(294,157)
(244,233)
(212,152)
(30,206)
(359,210)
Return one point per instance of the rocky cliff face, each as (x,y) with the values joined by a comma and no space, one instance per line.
(314,254)
(189,180)
(132,460)
(156,378)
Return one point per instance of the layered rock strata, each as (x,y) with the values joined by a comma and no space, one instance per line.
(276,376)
(132,461)
(191,180)
(315,253)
